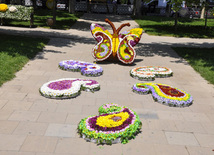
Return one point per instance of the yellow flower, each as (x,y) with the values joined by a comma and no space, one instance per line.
(160,93)
(122,52)
(3,7)
(113,120)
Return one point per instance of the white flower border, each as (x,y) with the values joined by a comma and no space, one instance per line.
(77,67)
(151,75)
(67,93)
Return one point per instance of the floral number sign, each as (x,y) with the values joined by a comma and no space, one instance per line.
(115,124)
(67,88)
(164,94)
(115,45)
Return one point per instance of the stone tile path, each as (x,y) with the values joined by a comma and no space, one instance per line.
(33,125)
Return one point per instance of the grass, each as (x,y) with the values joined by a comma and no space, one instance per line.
(64,20)
(15,52)
(201,59)
(164,26)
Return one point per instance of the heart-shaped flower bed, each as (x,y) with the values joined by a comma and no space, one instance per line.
(164,94)
(87,69)
(118,126)
(67,88)
(150,72)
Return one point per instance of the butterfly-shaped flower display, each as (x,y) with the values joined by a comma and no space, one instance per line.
(115,45)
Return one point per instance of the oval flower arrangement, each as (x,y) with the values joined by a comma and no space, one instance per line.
(114,124)
(87,69)
(150,72)
(67,87)
(164,94)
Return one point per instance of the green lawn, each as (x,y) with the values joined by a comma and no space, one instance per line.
(15,52)
(164,26)
(64,20)
(201,59)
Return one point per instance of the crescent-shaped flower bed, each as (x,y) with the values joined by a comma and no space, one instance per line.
(87,69)
(150,72)
(67,87)
(114,124)
(164,94)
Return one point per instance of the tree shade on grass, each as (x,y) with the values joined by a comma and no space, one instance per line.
(15,52)
(201,59)
(64,20)
(164,26)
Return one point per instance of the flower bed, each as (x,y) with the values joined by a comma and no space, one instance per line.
(87,69)
(115,124)
(18,12)
(67,88)
(150,72)
(165,94)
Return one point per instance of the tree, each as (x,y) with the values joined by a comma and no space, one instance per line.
(137,7)
(71,7)
(176,6)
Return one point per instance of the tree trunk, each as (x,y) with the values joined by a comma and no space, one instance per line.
(202,13)
(137,7)
(54,12)
(176,20)
(107,7)
(72,4)
(206,20)
(34,4)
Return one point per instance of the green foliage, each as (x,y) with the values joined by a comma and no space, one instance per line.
(64,20)
(176,5)
(22,13)
(201,59)
(15,52)
(164,26)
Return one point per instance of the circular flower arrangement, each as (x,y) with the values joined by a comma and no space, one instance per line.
(67,88)
(164,94)
(87,69)
(150,72)
(3,7)
(114,124)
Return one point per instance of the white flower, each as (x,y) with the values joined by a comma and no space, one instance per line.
(12,9)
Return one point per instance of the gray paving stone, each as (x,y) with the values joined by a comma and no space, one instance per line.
(181,138)
(24,115)
(170,149)
(194,150)
(61,130)
(11,142)
(31,128)
(39,144)
(205,140)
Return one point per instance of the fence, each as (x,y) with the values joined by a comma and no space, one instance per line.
(104,8)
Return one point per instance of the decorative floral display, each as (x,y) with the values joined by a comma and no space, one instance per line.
(3,7)
(115,45)
(150,72)
(87,69)
(141,88)
(164,94)
(67,88)
(12,9)
(109,108)
(22,13)
(113,125)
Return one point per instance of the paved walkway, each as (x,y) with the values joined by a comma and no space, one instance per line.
(33,125)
